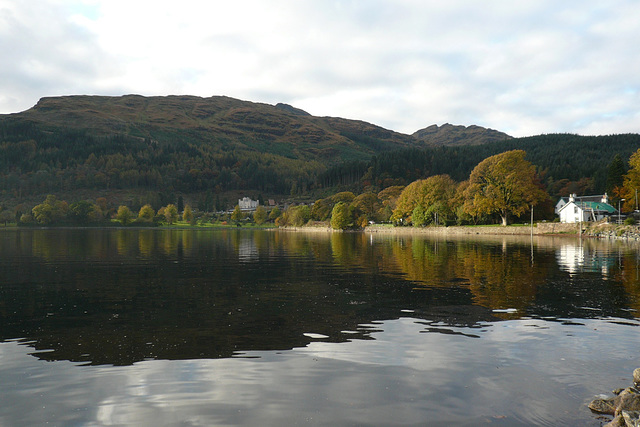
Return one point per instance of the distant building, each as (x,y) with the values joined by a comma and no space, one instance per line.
(574,209)
(246,204)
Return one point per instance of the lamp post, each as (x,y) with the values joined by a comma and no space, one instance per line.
(619,219)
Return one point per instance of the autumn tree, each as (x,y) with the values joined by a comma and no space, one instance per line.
(124,215)
(260,215)
(187,214)
(366,207)
(321,210)
(388,199)
(631,182)
(340,216)
(171,213)
(6,216)
(345,196)
(275,213)
(419,216)
(298,216)
(434,195)
(237,214)
(50,211)
(146,214)
(504,184)
(81,211)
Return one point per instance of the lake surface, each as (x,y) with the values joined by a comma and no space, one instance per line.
(271,328)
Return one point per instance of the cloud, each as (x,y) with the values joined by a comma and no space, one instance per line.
(524,68)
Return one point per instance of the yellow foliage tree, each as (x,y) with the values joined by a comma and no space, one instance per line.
(631,182)
(505,184)
(433,196)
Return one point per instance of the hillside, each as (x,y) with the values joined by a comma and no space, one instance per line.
(566,163)
(182,144)
(221,121)
(138,146)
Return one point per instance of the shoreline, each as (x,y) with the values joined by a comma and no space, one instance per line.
(601,231)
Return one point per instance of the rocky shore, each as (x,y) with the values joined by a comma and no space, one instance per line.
(624,405)
(601,230)
(611,231)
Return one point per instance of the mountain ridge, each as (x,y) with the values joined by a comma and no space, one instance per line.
(449,134)
(221,145)
(135,114)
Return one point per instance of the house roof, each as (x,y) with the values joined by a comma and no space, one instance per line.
(597,206)
(591,206)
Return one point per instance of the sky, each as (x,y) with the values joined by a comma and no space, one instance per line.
(523,67)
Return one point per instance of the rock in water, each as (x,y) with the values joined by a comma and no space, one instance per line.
(636,376)
(603,406)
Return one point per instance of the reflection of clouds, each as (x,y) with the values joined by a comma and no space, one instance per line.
(394,344)
(532,370)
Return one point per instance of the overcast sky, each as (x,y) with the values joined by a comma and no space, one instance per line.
(523,67)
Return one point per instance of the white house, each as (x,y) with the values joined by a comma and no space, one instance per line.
(246,204)
(563,201)
(582,209)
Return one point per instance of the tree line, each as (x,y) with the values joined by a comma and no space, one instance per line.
(565,163)
(499,188)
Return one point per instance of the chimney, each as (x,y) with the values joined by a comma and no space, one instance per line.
(572,198)
(605,198)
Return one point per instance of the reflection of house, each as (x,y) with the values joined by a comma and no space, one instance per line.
(575,259)
(246,204)
(587,208)
(247,250)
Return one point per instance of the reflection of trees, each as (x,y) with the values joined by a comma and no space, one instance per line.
(497,276)
(503,278)
(184,293)
(628,274)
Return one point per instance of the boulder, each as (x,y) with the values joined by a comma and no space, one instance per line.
(625,406)
(628,400)
(604,406)
(631,418)
(616,422)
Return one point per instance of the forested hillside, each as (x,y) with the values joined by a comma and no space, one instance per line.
(192,145)
(566,163)
(187,144)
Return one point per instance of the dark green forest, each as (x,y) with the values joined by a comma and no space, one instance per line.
(566,163)
(37,161)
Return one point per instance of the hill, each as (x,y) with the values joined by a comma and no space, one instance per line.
(181,144)
(220,121)
(177,143)
(451,135)
(89,145)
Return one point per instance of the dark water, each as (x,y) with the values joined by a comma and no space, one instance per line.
(211,328)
